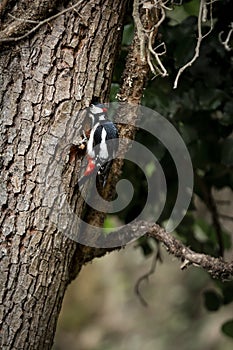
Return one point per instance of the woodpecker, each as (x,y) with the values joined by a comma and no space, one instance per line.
(99,152)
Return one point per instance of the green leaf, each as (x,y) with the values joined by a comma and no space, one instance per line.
(212,300)
(180,13)
(227,328)
(192,7)
(110,224)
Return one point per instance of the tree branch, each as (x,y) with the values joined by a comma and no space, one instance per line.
(226,42)
(216,267)
(17,26)
(201,18)
(146,29)
(156,258)
(134,79)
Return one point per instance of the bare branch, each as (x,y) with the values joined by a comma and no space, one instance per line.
(159,67)
(157,257)
(146,35)
(10,39)
(226,42)
(201,16)
(23,20)
(216,267)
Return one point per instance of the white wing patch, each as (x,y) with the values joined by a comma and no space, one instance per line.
(90,150)
(103,146)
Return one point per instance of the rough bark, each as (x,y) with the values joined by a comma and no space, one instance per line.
(45,79)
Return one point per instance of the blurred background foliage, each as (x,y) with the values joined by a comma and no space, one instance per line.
(201,109)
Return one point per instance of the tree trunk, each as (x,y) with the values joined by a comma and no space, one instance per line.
(45,79)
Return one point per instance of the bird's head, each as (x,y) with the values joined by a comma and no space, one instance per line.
(98,112)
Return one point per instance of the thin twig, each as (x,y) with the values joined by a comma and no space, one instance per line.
(157,257)
(146,36)
(211,18)
(40,24)
(226,42)
(163,16)
(199,41)
(159,67)
(23,20)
